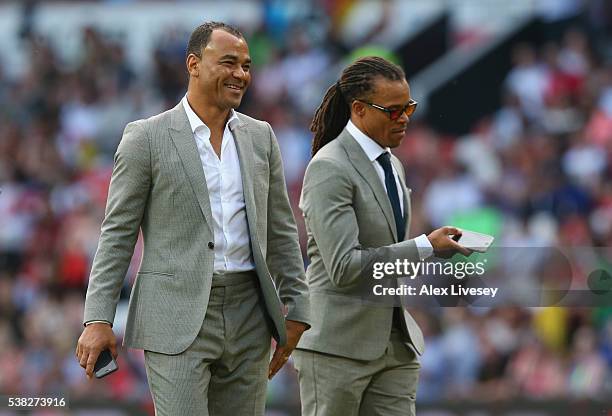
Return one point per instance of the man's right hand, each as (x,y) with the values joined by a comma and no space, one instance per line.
(443,245)
(96,337)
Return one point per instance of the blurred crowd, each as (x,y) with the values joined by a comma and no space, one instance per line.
(543,178)
(536,173)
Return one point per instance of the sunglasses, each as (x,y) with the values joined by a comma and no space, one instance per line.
(397,113)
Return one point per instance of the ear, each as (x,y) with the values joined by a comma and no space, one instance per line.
(193,65)
(358,108)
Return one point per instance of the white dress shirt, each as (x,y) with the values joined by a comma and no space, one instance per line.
(224,183)
(373,150)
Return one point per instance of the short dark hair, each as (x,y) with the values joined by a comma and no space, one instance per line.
(201,36)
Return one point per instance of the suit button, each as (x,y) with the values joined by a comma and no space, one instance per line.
(211,245)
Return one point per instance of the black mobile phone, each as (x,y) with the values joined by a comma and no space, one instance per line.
(105,364)
(457,237)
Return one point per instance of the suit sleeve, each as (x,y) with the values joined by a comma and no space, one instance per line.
(127,197)
(327,204)
(284,258)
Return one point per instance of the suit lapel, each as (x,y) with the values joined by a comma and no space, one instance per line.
(183,139)
(364,166)
(244,147)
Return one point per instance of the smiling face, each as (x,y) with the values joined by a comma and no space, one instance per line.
(375,122)
(222,74)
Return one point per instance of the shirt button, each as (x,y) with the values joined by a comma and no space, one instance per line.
(211,245)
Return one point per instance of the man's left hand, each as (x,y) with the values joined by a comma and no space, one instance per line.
(281,354)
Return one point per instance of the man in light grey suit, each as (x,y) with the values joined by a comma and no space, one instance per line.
(360,358)
(205,185)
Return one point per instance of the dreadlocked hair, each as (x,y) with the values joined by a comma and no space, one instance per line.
(355,83)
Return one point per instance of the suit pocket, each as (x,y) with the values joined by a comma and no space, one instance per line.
(164,275)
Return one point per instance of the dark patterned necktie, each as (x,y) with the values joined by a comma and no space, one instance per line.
(385,161)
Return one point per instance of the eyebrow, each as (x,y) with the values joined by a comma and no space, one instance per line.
(234,58)
(400,105)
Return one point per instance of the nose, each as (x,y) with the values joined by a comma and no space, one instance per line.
(403,119)
(239,73)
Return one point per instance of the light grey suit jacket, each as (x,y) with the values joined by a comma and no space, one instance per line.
(350,223)
(158,186)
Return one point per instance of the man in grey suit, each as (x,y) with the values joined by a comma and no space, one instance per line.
(205,185)
(359,358)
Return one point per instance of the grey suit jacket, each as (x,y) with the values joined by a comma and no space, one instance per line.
(158,186)
(350,223)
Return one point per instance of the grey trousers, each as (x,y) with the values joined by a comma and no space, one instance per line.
(224,371)
(331,385)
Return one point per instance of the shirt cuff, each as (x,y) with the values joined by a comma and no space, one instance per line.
(424,247)
(98,322)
